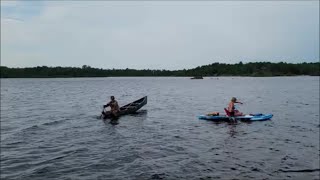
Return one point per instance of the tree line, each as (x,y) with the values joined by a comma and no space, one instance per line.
(214,69)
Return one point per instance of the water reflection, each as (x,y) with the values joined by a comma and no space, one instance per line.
(114,121)
(141,115)
(232,128)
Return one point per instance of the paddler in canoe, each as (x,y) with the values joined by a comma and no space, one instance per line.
(113,106)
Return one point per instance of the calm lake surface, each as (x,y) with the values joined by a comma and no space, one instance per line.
(50,130)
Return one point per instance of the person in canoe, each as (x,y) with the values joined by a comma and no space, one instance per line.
(231,107)
(114,107)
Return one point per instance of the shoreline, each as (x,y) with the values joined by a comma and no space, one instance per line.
(204,77)
(252,69)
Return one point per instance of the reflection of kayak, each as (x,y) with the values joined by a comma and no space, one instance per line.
(251,117)
(255,117)
(217,118)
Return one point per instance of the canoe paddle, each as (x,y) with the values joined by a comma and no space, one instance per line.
(102,111)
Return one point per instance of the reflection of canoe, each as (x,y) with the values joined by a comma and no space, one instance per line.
(129,108)
(253,117)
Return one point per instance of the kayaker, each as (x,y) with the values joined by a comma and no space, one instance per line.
(114,106)
(231,107)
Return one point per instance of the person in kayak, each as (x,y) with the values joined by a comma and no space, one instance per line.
(114,107)
(231,107)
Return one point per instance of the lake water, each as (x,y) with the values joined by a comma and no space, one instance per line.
(50,130)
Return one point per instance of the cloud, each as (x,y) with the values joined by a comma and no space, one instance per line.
(170,35)
(8,4)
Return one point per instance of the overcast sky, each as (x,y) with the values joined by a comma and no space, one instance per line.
(157,35)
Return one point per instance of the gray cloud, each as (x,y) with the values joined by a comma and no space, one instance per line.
(161,35)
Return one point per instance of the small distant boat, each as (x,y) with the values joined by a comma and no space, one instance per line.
(197,77)
(129,108)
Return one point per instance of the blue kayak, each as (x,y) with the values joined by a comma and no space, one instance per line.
(251,117)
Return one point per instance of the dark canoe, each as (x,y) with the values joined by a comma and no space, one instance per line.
(129,108)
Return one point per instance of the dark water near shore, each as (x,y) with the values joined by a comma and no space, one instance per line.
(50,130)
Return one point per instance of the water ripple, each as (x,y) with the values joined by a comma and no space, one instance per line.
(50,130)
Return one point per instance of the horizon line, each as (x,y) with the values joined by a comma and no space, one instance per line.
(88,66)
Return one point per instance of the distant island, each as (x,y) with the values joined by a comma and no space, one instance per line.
(216,69)
(197,77)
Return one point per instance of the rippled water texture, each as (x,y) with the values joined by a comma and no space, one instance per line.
(50,130)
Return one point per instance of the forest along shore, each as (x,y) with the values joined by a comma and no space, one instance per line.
(262,69)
